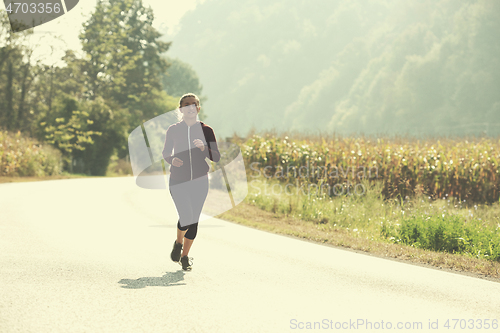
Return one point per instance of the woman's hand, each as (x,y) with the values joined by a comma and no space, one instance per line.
(177,162)
(198,143)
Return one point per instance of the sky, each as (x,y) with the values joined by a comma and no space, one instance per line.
(54,37)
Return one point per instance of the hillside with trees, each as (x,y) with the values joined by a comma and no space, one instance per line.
(379,66)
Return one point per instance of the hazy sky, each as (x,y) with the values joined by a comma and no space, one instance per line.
(167,16)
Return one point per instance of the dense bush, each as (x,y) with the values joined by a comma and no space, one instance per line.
(24,156)
(448,233)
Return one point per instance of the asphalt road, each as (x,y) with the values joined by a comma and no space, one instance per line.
(92,255)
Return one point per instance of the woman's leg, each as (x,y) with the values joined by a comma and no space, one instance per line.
(187,245)
(180,235)
(183,203)
(198,193)
(189,199)
(179,196)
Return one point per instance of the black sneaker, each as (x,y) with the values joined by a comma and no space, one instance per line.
(176,252)
(186,263)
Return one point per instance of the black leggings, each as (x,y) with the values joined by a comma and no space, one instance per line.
(189,198)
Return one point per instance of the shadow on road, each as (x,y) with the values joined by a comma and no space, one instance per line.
(175,226)
(167,280)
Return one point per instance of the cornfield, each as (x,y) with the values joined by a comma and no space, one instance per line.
(467,169)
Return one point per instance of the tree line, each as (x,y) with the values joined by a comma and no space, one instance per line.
(87,107)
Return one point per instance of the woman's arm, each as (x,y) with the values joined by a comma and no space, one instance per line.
(168,146)
(213,150)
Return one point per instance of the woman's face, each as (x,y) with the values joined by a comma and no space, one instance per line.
(186,102)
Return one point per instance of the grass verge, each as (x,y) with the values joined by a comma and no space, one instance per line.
(355,223)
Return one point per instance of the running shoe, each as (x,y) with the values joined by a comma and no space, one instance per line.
(176,252)
(186,263)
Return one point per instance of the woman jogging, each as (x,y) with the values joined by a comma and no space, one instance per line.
(192,142)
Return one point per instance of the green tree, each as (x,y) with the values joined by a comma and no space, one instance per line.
(180,79)
(67,129)
(123,55)
(109,119)
(15,75)
(122,68)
